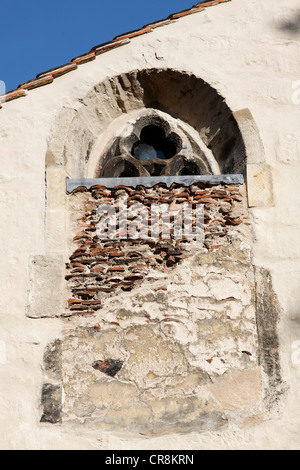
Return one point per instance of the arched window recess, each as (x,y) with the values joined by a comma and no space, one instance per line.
(156,148)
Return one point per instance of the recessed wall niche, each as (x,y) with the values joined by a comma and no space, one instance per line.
(159,338)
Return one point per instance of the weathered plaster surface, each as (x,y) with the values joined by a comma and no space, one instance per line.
(158,334)
(243,50)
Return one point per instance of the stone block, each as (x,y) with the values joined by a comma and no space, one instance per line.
(251,137)
(113,395)
(56,188)
(260,185)
(51,402)
(45,293)
(237,389)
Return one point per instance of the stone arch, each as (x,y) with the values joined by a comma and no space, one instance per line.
(182,95)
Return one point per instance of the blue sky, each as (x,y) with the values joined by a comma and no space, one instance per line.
(39,35)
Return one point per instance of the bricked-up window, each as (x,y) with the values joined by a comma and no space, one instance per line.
(171,325)
(154,144)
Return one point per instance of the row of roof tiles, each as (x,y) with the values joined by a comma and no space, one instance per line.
(45,78)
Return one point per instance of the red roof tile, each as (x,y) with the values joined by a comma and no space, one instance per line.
(58,71)
(37,82)
(45,78)
(12,95)
(84,58)
(109,46)
(133,34)
(193,10)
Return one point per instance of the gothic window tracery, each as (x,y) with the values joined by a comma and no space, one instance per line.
(155,144)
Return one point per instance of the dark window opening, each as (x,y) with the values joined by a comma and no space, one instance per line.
(129,170)
(154,144)
(146,152)
(154,169)
(190,169)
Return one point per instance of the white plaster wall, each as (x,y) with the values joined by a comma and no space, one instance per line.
(238,49)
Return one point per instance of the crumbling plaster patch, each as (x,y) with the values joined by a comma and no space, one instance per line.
(161,356)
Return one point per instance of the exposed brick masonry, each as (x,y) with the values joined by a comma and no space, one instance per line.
(98,268)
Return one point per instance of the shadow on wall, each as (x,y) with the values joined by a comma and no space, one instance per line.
(291,25)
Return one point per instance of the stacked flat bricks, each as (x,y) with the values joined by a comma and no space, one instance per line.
(99,267)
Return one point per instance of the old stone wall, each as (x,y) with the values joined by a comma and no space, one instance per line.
(160,334)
